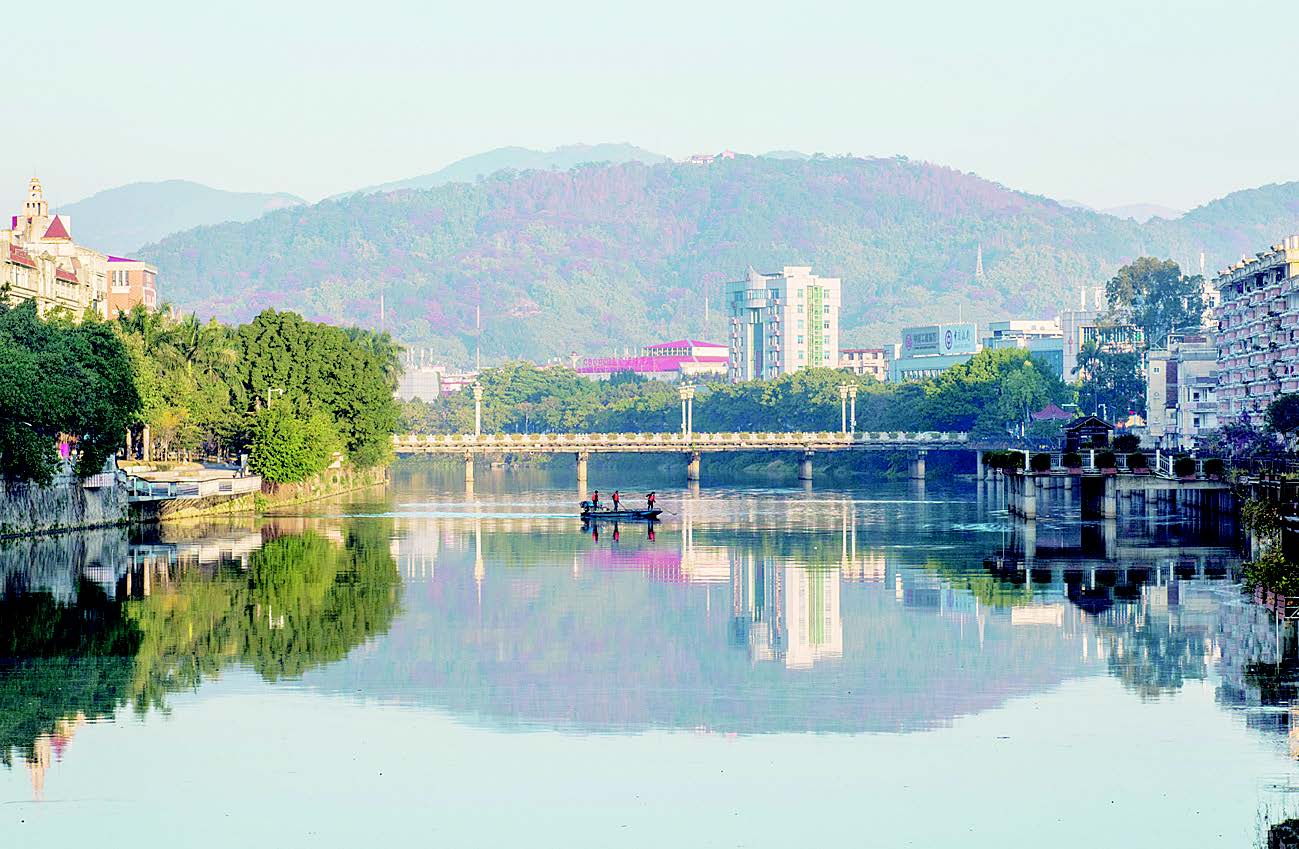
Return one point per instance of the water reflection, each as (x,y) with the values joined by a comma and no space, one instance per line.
(748,612)
(96,622)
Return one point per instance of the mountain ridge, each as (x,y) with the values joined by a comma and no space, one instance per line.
(479,165)
(124,218)
(602,257)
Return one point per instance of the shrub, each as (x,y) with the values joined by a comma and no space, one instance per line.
(1214,466)
(1072,460)
(1127,443)
(286,448)
(1041,462)
(1184,467)
(1137,460)
(1106,460)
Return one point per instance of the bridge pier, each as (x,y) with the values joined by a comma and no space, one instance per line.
(582,457)
(918,465)
(805,467)
(1109,498)
(1028,500)
(692,467)
(469,467)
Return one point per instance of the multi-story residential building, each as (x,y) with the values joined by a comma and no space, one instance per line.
(1040,337)
(872,361)
(931,349)
(40,261)
(131,282)
(679,359)
(782,322)
(1181,382)
(1258,331)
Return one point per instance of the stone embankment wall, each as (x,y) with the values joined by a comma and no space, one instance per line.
(192,508)
(327,483)
(26,508)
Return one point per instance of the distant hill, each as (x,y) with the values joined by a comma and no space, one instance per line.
(1143,212)
(121,220)
(602,257)
(473,168)
(786,154)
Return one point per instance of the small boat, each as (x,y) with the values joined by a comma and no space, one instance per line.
(589,512)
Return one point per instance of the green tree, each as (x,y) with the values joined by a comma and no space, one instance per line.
(60,379)
(1111,382)
(286,447)
(1157,297)
(1283,414)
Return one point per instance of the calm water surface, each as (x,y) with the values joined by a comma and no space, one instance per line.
(893,666)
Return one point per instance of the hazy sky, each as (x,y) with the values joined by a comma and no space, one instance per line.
(1103,102)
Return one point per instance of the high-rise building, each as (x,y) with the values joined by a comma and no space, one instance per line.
(782,322)
(40,261)
(1258,331)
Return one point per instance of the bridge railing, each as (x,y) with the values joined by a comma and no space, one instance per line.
(794,439)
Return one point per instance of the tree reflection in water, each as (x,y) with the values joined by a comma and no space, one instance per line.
(302,600)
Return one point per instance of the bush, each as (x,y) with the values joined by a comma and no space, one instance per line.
(1214,466)
(1184,467)
(1041,462)
(1127,443)
(286,448)
(1137,460)
(1072,460)
(1106,460)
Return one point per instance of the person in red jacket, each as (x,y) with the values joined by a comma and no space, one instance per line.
(616,499)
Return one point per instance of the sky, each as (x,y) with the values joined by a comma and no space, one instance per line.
(1105,103)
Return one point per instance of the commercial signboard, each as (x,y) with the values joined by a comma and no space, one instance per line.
(919,341)
(958,339)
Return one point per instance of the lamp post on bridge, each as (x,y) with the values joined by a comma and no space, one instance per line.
(843,408)
(478,409)
(852,409)
(687,394)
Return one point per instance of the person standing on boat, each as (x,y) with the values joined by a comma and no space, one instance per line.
(595,500)
(616,499)
(649,500)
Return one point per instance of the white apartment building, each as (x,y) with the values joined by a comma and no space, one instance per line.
(782,322)
(1258,331)
(1181,397)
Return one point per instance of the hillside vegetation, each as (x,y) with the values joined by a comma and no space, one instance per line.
(607,256)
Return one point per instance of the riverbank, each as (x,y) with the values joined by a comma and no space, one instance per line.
(70,504)
(328,483)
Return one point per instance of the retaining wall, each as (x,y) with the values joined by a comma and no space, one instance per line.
(26,508)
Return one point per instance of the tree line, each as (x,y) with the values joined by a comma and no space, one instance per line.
(290,393)
(996,391)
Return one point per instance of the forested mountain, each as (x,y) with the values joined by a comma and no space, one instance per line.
(602,257)
(121,220)
(480,165)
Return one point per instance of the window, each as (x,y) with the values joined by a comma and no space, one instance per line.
(800,308)
(800,324)
(800,294)
(800,340)
(826,325)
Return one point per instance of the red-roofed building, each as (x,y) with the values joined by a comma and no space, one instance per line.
(44,264)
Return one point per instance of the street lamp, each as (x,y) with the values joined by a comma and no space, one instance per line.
(478,409)
(686,392)
(852,409)
(843,408)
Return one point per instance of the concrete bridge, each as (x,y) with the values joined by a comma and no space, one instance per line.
(692,445)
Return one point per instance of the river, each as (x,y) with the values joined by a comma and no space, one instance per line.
(417,665)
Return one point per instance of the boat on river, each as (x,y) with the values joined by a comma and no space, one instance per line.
(589,512)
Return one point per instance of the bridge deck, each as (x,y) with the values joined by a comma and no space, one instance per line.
(648,443)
